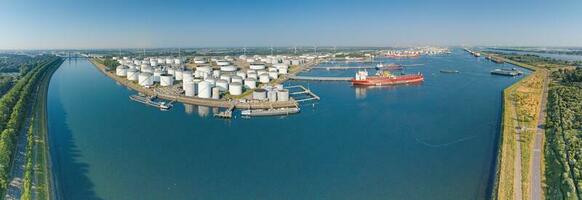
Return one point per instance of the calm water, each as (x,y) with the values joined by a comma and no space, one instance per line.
(431,141)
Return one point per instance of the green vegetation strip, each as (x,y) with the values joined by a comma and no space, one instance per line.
(563,149)
(13,108)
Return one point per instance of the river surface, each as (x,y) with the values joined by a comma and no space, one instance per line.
(437,140)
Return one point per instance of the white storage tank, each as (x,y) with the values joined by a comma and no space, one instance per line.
(153,63)
(241,74)
(283,71)
(228,68)
(256,66)
(166,80)
(146,79)
(251,83)
(225,77)
(211,80)
(147,69)
(260,94)
(235,88)
(132,74)
(178,74)
(204,89)
(272,95)
(161,61)
(121,70)
(205,69)
(283,95)
(222,84)
(169,61)
(157,73)
(216,93)
(216,73)
(236,79)
(189,89)
(177,61)
(171,71)
(253,75)
(264,78)
(273,75)
(187,75)
(222,63)
(259,72)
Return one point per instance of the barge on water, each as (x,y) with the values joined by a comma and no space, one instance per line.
(151,101)
(507,72)
(270,112)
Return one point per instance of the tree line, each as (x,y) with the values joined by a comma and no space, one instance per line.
(13,110)
(564,136)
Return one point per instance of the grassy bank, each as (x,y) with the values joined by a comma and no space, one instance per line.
(521,107)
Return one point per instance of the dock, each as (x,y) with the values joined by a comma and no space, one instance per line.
(303,91)
(227,114)
(318,78)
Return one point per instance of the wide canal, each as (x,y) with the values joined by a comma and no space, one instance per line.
(437,140)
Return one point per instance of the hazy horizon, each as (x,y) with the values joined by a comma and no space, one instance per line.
(205,24)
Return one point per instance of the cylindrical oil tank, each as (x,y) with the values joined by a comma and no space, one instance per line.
(178,74)
(235,88)
(225,77)
(132,74)
(251,83)
(205,69)
(273,75)
(166,80)
(216,73)
(259,72)
(211,80)
(253,75)
(171,71)
(272,95)
(153,63)
(146,79)
(241,74)
(121,70)
(177,61)
(256,66)
(283,71)
(157,74)
(169,61)
(264,78)
(204,89)
(228,68)
(189,89)
(260,94)
(222,63)
(283,95)
(279,86)
(222,84)
(161,61)
(216,93)
(187,75)
(236,79)
(147,69)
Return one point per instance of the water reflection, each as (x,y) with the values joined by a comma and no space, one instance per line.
(203,111)
(188,109)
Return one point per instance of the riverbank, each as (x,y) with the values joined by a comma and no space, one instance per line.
(192,100)
(522,106)
(43,180)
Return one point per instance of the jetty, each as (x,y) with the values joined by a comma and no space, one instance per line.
(318,78)
(302,91)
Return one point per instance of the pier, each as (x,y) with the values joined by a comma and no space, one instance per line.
(318,78)
(303,91)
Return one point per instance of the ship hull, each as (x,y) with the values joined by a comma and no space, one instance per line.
(381,81)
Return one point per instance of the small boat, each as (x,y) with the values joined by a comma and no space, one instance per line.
(270,112)
(450,71)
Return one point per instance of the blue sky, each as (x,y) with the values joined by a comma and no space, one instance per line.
(42,24)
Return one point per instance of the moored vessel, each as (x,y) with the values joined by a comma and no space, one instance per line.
(385,78)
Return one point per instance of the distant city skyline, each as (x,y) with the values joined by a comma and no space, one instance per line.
(67,24)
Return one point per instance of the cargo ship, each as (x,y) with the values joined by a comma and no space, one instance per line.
(385,78)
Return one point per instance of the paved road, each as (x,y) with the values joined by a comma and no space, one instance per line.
(14,190)
(536,170)
(517,191)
